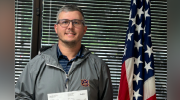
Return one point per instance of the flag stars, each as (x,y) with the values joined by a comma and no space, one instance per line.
(138,44)
(147,1)
(146,14)
(136,94)
(134,2)
(129,36)
(140,11)
(138,52)
(130,14)
(149,51)
(137,78)
(133,21)
(147,66)
(138,28)
(149,35)
(144,29)
(138,61)
(125,50)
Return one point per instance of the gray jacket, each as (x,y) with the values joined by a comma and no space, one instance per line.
(44,75)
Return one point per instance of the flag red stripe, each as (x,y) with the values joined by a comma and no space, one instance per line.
(123,89)
(152,97)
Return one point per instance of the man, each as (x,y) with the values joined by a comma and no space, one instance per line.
(66,66)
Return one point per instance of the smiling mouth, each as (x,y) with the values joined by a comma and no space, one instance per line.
(70,34)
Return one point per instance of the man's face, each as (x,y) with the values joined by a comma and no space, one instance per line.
(70,35)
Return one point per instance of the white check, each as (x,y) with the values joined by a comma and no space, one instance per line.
(73,95)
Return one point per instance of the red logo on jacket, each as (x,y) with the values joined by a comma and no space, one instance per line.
(85,83)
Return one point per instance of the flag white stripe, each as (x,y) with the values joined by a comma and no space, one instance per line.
(129,63)
(149,88)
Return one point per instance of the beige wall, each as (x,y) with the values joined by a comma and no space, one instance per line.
(7,26)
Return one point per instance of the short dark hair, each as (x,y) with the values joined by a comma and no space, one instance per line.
(69,8)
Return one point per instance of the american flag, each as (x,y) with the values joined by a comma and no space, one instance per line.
(137,73)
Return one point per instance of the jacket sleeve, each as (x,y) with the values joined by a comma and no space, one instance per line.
(24,88)
(105,85)
(23,96)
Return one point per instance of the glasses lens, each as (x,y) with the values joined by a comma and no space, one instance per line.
(64,23)
(76,23)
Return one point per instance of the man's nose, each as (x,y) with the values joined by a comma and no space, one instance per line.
(70,24)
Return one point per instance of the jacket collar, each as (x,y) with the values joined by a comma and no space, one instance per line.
(79,55)
(52,53)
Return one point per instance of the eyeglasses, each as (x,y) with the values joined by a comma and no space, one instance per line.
(75,22)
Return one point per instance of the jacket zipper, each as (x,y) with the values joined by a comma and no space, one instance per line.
(66,83)
(54,66)
(67,79)
(67,76)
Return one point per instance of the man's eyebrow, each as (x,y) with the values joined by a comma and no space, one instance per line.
(63,19)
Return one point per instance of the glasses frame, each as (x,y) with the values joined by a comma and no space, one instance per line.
(58,22)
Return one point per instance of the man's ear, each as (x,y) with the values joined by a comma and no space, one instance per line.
(55,27)
(85,29)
